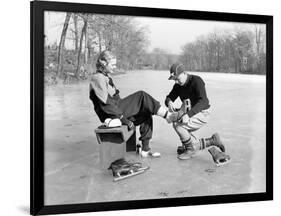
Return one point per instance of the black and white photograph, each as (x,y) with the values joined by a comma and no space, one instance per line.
(151,107)
(188,94)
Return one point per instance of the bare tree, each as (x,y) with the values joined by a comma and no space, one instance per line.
(61,45)
(259,33)
(86,44)
(83,33)
(76,33)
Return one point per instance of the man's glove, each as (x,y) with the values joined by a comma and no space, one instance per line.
(127,122)
(174,117)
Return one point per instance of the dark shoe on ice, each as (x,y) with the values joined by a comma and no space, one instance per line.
(185,152)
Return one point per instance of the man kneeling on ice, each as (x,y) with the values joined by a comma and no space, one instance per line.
(194,113)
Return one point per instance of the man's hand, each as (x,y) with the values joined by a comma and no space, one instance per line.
(171,106)
(184,118)
(172,117)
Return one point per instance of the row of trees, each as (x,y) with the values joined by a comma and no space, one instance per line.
(93,33)
(236,51)
(157,59)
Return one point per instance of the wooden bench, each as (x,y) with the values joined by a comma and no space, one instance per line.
(113,143)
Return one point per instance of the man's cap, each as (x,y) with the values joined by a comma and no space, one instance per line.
(175,70)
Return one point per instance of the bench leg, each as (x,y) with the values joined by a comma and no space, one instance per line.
(131,143)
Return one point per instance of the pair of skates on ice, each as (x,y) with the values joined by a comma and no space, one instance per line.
(122,169)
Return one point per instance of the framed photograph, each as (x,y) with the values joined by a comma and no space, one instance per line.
(141,107)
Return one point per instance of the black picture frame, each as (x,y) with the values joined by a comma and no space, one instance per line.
(37,9)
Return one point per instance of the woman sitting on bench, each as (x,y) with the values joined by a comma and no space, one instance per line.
(136,109)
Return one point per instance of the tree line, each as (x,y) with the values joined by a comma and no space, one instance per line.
(233,51)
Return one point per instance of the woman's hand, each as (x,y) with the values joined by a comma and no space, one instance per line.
(131,126)
(171,106)
(127,122)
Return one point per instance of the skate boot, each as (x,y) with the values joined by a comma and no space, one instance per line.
(213,141)
(220,158)
(186,151)
(122,169)
(117,166)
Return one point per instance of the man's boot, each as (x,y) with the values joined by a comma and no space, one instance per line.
(212,141)
(186,151)
(220,158)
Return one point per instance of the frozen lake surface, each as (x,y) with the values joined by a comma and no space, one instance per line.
(72,173)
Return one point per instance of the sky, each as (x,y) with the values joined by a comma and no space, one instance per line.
(172,34)
(165,33)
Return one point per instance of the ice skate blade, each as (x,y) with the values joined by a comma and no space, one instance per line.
(219,164)
(129,175)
